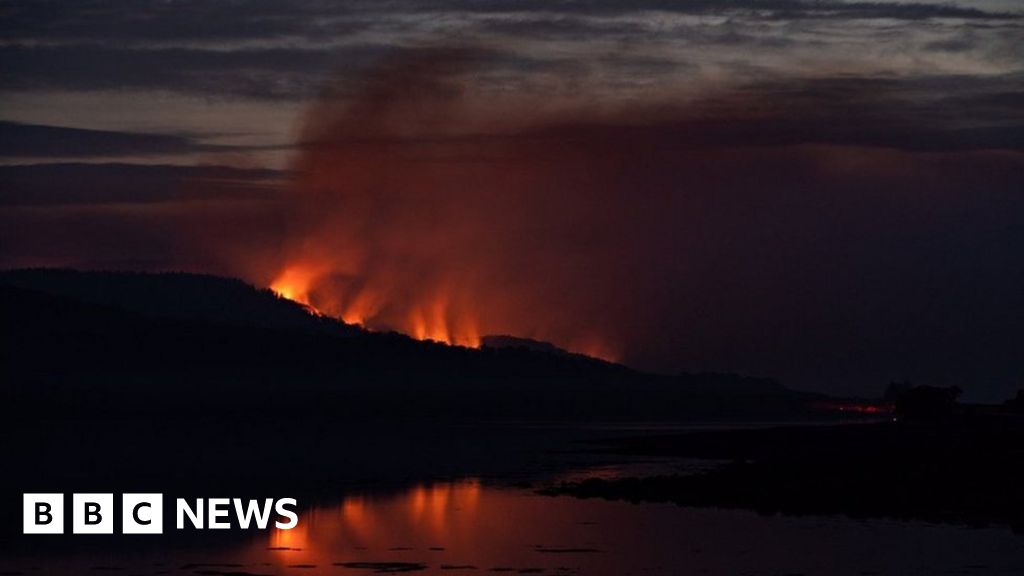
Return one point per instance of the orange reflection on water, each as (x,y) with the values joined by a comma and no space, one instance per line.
(294,539)
(427,527)
(432,511)
(482,529)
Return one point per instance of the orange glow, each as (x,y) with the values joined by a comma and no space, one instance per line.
(364,306)
(436,510)
(295,283)
(434,320)
(395,222)
(429,318)
(858,407)
(435,315)
(595,348)
(294,539)
(417,502)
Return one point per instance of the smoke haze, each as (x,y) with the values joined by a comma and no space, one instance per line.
(786,229)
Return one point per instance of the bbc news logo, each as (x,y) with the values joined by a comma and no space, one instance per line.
(143,513)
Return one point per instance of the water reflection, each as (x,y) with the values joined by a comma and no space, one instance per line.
(468,527)
(424,514)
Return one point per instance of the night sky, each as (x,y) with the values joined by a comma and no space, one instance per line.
(830,193)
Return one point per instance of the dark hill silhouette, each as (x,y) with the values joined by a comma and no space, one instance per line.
(131,342)
(507,341)
(179,296)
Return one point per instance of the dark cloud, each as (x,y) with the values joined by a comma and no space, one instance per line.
(98,184)
(122,20)
(888,112)
(282,50)
(788,9)
(911,114)
(251,73)
(994,41)
(785,131)
(118,21)
(139,217)
(261,73)
(33,140)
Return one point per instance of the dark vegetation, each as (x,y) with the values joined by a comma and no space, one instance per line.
(506,341)
(125,343)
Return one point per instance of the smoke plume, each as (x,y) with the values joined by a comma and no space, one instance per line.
(791,229)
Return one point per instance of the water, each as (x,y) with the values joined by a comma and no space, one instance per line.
(479,524)
(470,527)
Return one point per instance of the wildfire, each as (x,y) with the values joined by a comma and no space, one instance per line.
(397,221)
(364,306)
(428,318)
(295,283)
(433,321)
(438,314)
(859,407)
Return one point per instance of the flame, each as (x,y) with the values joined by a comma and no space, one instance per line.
(364,306)
(295,283)
(429,318)
(435,315)
(433,320)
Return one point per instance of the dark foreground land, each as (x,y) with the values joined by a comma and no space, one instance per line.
(96,344)
(194,385)
(969,470)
